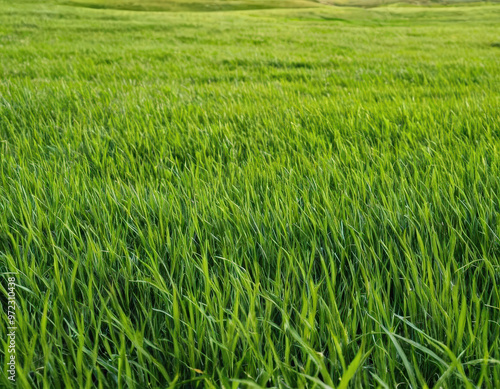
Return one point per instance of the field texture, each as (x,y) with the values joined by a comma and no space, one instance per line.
(288,198)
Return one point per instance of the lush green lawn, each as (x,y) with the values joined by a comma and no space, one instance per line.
(285,198)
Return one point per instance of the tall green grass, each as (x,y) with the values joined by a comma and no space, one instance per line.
(288,198)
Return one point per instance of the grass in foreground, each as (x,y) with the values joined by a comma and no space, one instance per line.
(288,198)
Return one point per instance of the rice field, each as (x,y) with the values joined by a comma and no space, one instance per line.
(306,196)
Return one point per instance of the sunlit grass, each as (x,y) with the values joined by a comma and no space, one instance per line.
(284,198)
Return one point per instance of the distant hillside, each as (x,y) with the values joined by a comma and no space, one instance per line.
(235,5)
(194,5)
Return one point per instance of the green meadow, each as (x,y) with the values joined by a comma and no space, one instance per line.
(275,194)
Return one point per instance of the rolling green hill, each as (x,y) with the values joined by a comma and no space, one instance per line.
(233,5)
(194,5)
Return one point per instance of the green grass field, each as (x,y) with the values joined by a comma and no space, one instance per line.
(231,5)
(289,198)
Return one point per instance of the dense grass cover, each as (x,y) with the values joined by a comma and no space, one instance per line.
(302,198)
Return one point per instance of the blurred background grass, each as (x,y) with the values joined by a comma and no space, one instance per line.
(231,5)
